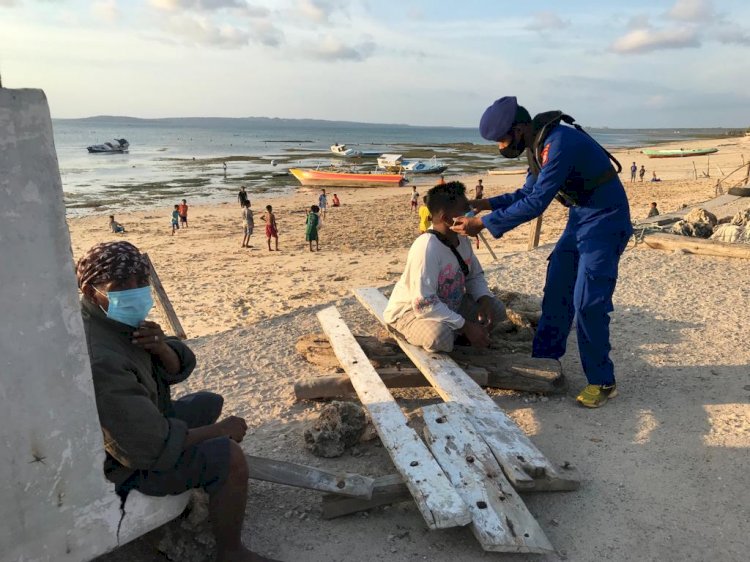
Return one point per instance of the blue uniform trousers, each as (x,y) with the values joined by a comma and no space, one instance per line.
(581,278)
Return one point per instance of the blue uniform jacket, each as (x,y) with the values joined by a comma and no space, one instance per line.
(567,153)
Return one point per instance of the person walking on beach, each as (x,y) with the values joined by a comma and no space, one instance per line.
(425,218)
(225,168)
(642,172)
(242,197)
(479,190)
(248,224)
(566,164)
(183,210)
(311,227)
(414,199)
(653,211)
(271,230)
(175,219)
(323,202)
(633,171)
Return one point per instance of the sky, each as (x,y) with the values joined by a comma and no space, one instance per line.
(635,63)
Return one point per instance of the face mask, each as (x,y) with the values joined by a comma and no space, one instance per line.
(515,148)
(130,306)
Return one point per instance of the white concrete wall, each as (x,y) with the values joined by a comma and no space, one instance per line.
(54,501)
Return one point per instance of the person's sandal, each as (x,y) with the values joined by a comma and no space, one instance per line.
(596,396)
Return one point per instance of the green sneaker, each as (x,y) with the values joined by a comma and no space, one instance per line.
(596,396)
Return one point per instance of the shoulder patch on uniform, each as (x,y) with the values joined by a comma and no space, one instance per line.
(545,153)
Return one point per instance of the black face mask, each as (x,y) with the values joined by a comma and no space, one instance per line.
(516,147)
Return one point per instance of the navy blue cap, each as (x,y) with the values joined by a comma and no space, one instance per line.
(497,119)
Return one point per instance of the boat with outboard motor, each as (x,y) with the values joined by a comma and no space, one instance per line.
(340,178)
(396,163)
(116,146)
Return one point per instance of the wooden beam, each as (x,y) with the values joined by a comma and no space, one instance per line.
(163,303)
(524,465)
(308,477)
(534,233)
(311,388)
(698,246)
(436,499)
(388,490)
(500,520)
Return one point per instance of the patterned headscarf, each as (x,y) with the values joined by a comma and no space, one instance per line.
(109,261)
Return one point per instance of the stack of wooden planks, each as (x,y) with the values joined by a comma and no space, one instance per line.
(473,460)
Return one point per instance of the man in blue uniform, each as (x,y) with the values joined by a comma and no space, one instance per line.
(565,164)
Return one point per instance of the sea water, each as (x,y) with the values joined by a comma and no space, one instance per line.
(174,159)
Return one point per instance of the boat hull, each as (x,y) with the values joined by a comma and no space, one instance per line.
(679,153)
(322,178)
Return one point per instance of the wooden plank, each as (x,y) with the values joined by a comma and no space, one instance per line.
(163,302)
(388,490)
(308,477)
(500,520)
(436,499)
(698,246)
(534,233)
(524,465)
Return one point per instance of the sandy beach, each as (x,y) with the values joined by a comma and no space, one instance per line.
(664,465)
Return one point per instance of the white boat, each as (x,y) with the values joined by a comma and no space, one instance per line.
(396,163)
(346,152)
(116,146)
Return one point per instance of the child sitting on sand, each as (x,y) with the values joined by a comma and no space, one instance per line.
(248,223)
(271,230)
(311,227)
(336,202)
(116,227)
(442,293)
(175,219)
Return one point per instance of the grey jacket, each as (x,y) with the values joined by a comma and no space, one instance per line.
(133,397)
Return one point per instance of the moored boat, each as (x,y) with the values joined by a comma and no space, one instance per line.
(346,152)
(507,172)
(116,146)
(679,152)
(396,163)
(334,178)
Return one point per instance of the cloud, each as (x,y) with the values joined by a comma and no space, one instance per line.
(265,33)
(106,10)
(693,11)
(320,11)
(546,21)
(330,48)
(8,3)
(210,6)
(732,34)
(196,30)
(646,40)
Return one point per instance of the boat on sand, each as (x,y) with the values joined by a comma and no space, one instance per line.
(679,152)
(338,178)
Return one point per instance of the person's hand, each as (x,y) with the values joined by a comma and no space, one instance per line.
(150,337)
(480,205)
(486,313)
(477,334)
(467,226)
(233,427)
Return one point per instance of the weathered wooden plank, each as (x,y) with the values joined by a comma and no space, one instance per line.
(534,233)
(500,520)
(524,465)
(163,302)
(698,246)
(388,490)
(308,477)
(436,499)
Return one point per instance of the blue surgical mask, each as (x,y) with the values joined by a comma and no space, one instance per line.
(130,306)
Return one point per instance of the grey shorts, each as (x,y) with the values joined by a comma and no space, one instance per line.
(204,465)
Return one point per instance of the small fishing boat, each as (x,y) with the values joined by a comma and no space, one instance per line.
(507,172)
(396,163)
(116,146)
(346,152)
(338,178)
(678,153)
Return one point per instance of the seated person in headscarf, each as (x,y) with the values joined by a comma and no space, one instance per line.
(155,445)
(442,294)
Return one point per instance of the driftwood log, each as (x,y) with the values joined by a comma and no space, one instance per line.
(486,367)
(698,246)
